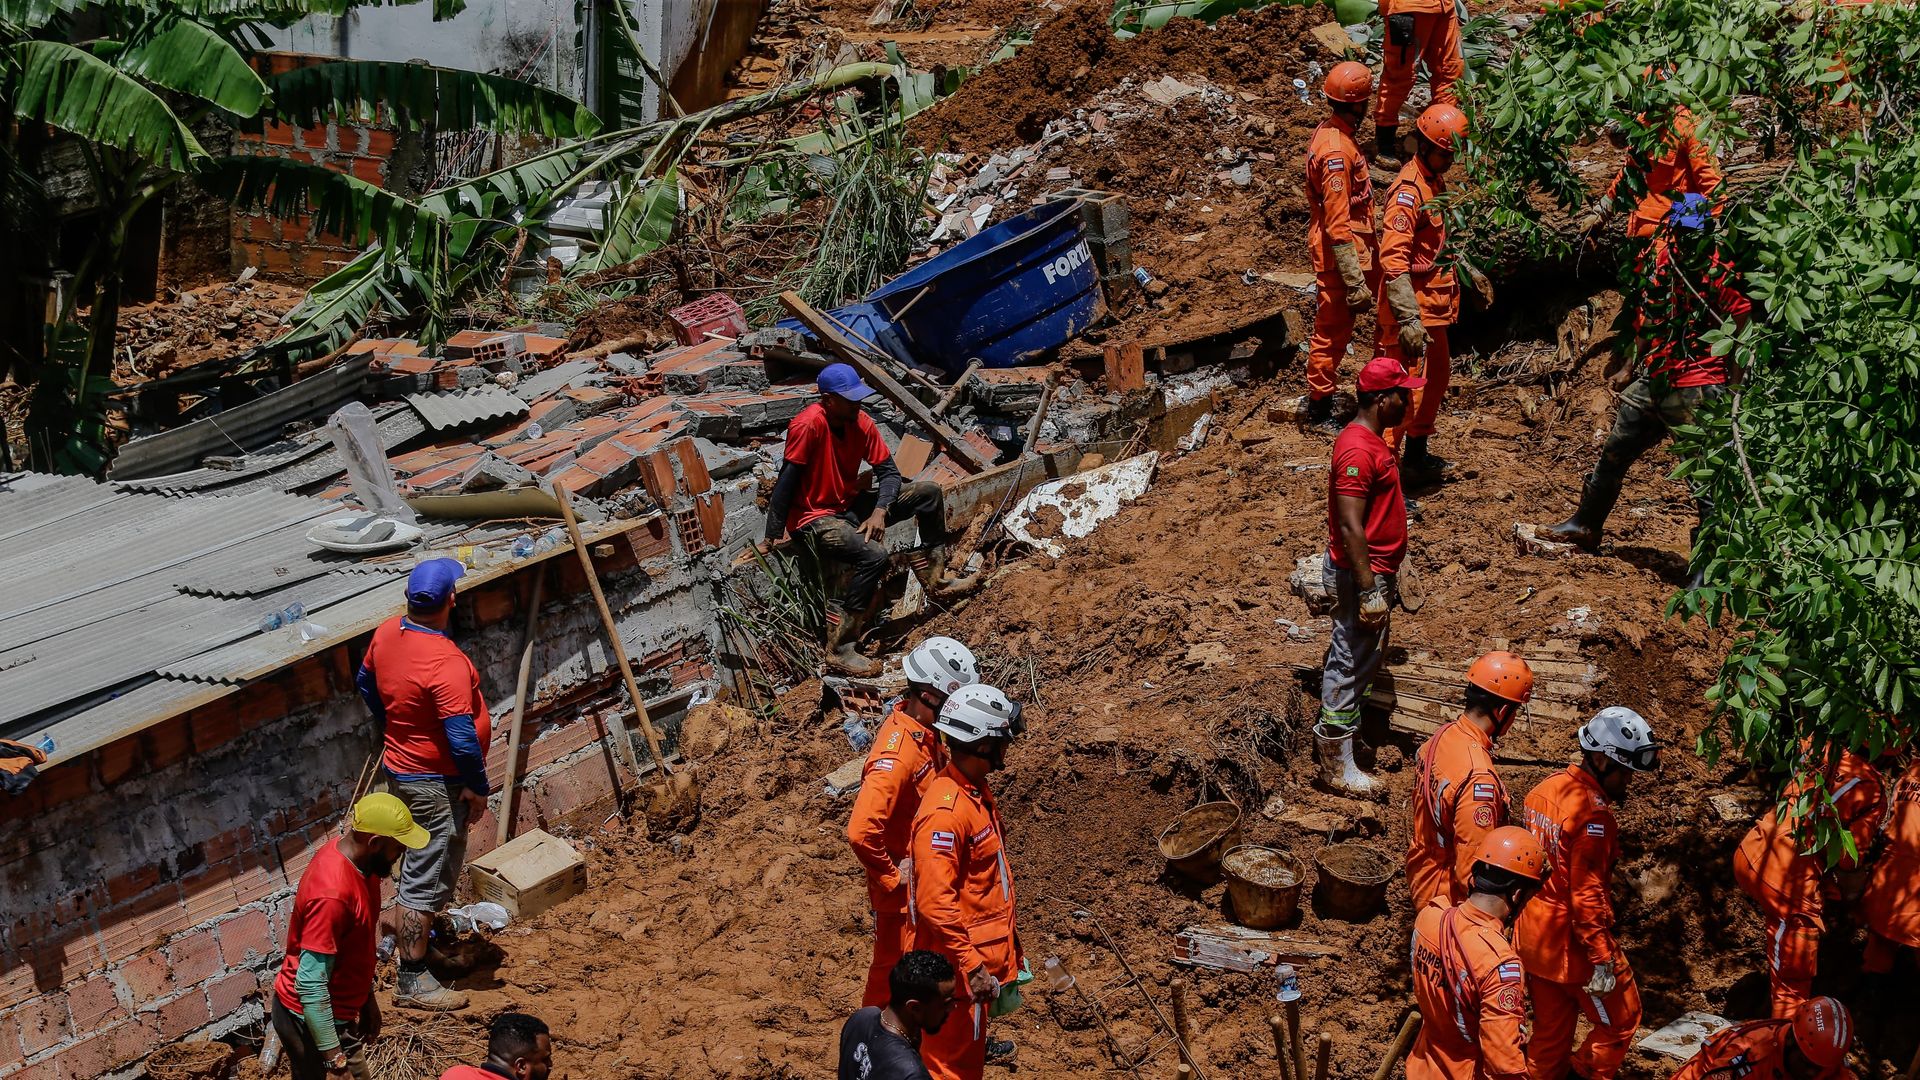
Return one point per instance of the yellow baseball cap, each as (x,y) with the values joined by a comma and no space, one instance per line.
(385,815)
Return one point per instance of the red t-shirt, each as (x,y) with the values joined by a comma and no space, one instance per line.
(423,678)
(336,910)
(833,463)
(468,1072)
(1685,311)
(1364,467)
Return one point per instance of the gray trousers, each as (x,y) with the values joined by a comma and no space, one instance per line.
(1354,651)
(1645,416)
(428,877)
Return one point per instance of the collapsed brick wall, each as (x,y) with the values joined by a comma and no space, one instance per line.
(150,881)
(290,249)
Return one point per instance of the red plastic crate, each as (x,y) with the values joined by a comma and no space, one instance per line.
(716,314)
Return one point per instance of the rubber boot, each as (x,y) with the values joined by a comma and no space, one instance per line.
(1319,416)
(843,653)
(1582,530)
(420,990)
(1422,466)
(1333,746)
(939,583)
(1001,1051)
(1386,148)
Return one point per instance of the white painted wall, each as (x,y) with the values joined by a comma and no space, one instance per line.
(508,36)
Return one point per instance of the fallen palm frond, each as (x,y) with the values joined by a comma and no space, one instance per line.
(780,614)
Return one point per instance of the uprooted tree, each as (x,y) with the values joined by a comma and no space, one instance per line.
(1811,551)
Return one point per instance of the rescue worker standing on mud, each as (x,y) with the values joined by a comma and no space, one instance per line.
(902,763)
(1466,977)
(1367,523)
(1457,797)
(1811,1045)
(1417,30)
(1565,936)
(1692,291)
(963,895)
(1339,236)
(1420,296)
(1776,866)
(1891,905)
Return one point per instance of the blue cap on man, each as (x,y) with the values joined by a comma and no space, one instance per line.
(841,380)
(432,582)
(1690,211)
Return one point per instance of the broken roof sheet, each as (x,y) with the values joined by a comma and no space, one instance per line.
(450,409)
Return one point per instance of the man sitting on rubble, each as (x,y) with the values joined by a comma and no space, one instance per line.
(819,496)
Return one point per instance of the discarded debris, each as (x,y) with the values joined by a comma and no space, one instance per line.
(1073,505)
(1684,1037)
(1228,947)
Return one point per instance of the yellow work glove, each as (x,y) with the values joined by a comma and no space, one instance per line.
(1347,258)
(1406,312)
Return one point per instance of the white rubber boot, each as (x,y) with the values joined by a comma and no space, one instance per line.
(1333,746)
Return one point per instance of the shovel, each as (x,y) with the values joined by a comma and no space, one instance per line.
(671,800)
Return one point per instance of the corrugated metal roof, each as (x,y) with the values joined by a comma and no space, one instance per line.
(541,383)
(243,427)
(307,458)
(452,409)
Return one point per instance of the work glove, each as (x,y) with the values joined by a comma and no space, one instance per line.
(1406,312)
(1477,281)
(904,868)
(1347,258)
(982,985)
(1375,607)
(1603,980)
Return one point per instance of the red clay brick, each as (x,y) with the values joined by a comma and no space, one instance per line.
(278,134)
(229,994)
(489,606)
(558,743)
(185,1013)
(90,1057)
(63,783)
(124,887)
(93,1003)
(247,938)
(43,1023)
(307,683)
(118,760)
(226,845)
(133,1039)
(370,170)
(208,892)
(18,984)
(10,1052)
(693,468)
(377,142)
(142,923)
(220,723)
(194,958)
(315,137)
(148,977)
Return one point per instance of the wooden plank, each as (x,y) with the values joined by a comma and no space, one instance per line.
(1126,368)
(829,332)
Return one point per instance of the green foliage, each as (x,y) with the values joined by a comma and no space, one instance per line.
(337,202)
(610,46)
(192,59)
(71,89)
(639,219)
(1811,553)
(414,96)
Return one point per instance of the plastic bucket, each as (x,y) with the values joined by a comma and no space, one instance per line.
(1264,884)
(1193,844)
(1352,882)
(1002,296)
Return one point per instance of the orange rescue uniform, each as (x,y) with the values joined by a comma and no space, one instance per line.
(963,910)
(1891,905)
(1436,40)
(1755,1050)
(1457,800)
(1340,205)
(1684,166)
(1567,928)
(1786,883)
(1473,998)
(901,765)
(1411,239)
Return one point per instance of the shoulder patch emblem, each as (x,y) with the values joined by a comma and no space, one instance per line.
(884,764)
(941,841)
(1483,816)
(1336,163)
(1399,221)
(1595,828)
(1509,999)
(1510,971)
(1483,792)
(1406,198)
(1353,470)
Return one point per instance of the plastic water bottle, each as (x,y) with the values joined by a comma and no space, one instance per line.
(287,616)
(1315,73)
(857,734)
(1056,974)
(45,743)
(1287,983)
(1300,87)
(522,546)
(388,946)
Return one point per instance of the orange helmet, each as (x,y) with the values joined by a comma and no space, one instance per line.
(1503,675)
(1442,125)
(1515,850)
(1349,81)
(1823,1031)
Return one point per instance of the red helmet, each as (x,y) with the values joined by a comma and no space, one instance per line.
(1503,675)
(1515,850)
(1349,81)
(1823,1031)
(1442,125)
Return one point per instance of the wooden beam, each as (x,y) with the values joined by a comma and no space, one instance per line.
(829,333)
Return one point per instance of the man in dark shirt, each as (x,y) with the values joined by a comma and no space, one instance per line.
(818,496)
(884,1044)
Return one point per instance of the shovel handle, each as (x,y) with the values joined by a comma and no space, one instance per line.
(565,499)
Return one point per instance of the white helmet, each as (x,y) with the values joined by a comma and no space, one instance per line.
(942,663)
(977,712)
(1623,735)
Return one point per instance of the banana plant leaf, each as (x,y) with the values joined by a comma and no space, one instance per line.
(35,14)
(414,96)
(642,219)
(75,91)
(335,202)
(187,57)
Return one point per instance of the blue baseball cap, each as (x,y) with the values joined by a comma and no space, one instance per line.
(1690,211)
(841,380)
(432,582)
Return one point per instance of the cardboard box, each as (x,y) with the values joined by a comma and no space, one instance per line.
(528,874)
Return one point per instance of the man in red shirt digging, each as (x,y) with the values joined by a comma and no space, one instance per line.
(820,496)
(1367,520)
(1691,291)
